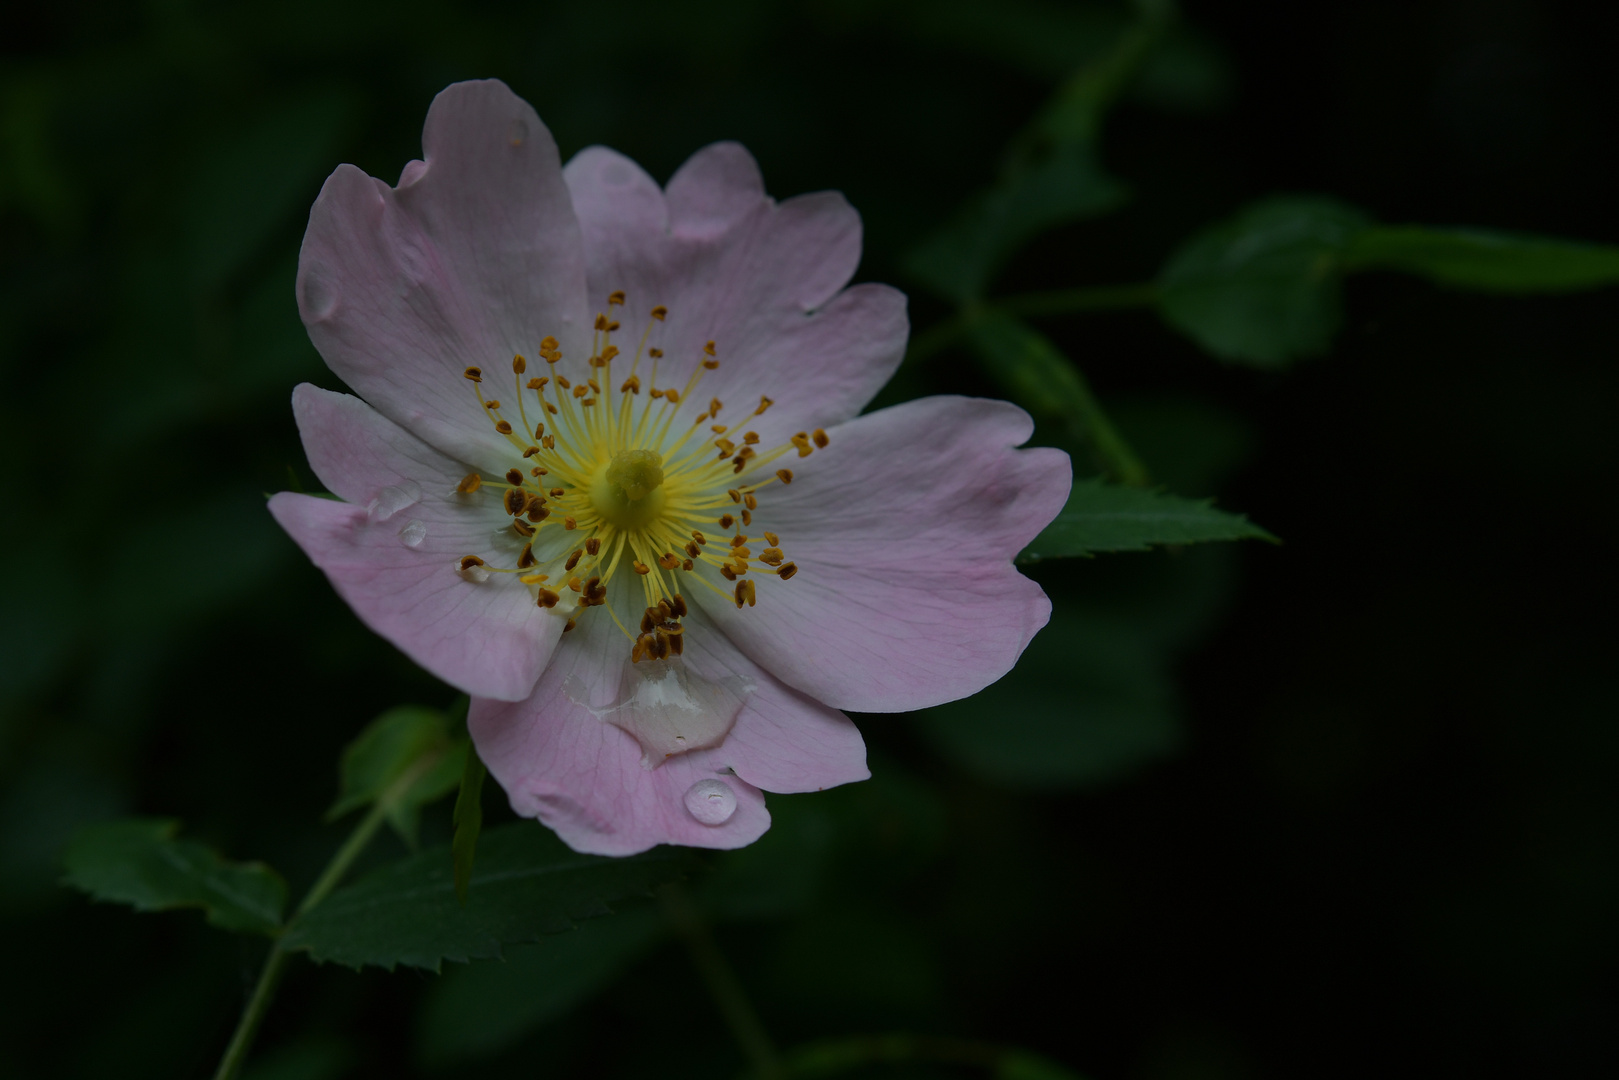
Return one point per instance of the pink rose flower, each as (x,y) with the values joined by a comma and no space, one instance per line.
(606,475)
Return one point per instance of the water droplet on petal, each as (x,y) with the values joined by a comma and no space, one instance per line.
(392,499)
(413,534)
(475,574)
(317,295)
(711,802)
(671,709)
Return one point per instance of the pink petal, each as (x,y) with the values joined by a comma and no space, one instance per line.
(391,550)
(474,257)
(582,776)
(903,531)
(759,279)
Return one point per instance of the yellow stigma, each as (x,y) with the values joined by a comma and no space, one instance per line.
(628,490)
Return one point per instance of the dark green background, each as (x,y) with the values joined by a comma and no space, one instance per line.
(1337,808)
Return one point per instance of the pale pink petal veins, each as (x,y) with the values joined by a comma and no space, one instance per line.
(903,531)
(391,551)
(758,278)
(473,258)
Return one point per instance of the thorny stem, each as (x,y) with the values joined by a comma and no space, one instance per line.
(275,964)
(722,983)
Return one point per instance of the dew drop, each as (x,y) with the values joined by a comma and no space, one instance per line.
(711,802)
(413,534)
(392,499)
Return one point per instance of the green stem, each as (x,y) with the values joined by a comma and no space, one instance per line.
(722,983)
(275,964)
(1119,460)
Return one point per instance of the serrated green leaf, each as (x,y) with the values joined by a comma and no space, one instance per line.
(468,819)
(139,862)
(959,260)
(1485,260)
(527,884)
(482,1008)
(1263,288)
(1107,517)
(401,739)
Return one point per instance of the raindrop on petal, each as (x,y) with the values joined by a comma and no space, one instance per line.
(392,499)
(318,296)
(413,534)
(711,802)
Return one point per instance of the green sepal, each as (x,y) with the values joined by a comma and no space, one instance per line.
(403,739)
(140,862)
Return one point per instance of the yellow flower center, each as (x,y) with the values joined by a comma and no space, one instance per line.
(605,483)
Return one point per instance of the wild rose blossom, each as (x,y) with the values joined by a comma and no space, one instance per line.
(606,475)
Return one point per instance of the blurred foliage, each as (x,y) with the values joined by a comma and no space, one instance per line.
(1373,813)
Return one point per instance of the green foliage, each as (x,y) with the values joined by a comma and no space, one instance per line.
(410,745)
(1263,288)
(1104,517)
(527,884)
(1485,260)
(468,820)
(140,862)
(483,1008)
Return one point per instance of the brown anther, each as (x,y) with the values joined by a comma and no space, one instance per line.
(820,437)
(469,561)
(709,348)
(570,624)
(692,549)
(548,344)
(660,312)
(656,393)
(711,364)
(714,406)
(552,409)
(687,565)
(514,501)
(539,431)
(747,517)
(738,540)
(576,585)
(526,559)
(764,403)
(537,471)
(615,297)
(521,527)
(802,442)
(751,438)
(771,556)
(678,606)
(668,560)
(772,539)
(726,521)
(551,357)
(784,475)
(557,493)
(503,427)
(472,373)
(751,501)
(593,546)
(570,524)
(736,496)
(747,453)
(699,537)
(581,390)
(562,381)
(725,446)
(492,403)
(612,326)
(469,483)
(640,567)
(672,395)
(649,620)
(601,322)
(595,592)
(549,441)
(519,365)
(588,402)
(535,384)
(538,512)
(744,593)
(573,560)
(738,462)
(608,353)
(632,385)
(531,451)
(548,599)
(787,571)
(655,353)
(514,477)
(727,573)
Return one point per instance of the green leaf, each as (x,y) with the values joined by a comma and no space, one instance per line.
(1033,372)
(139,862)
(1484,260)
(402,739)
(960,259)
(1090,701)
(527,884)
(1263,288)
(1105,517)
(468,820)
(483,1008)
